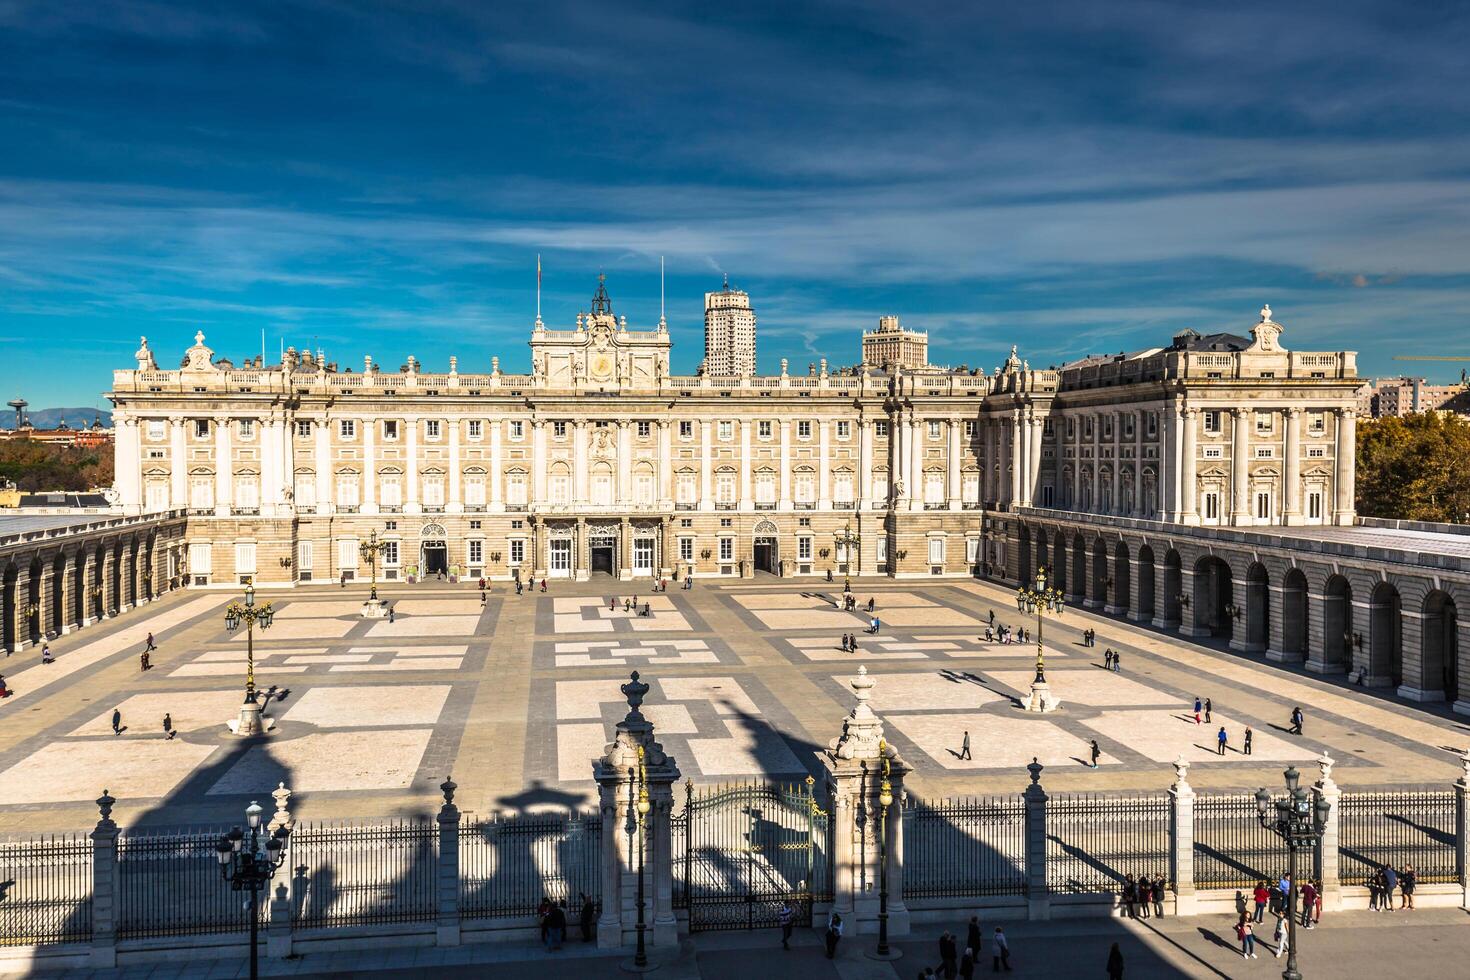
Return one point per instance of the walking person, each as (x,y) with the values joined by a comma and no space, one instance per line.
(4,691)
(967,964)
(117,721)
(949,966)
(143,660)
(1094,751)
(1248,734)
(168,725)
(973,939)
(1374,884)
(1197,706)
(1115,963)
(1208,707)
(1159,885)
(1222,738)
(834,934)
(148,646)
(390,614)
(1309,902)
(786,919)
(46,657)
(1296,720)
(1317,905)
(587,919)
(965,747)
(1407,879)
(1281,936)
(1117,658)
(1001,950)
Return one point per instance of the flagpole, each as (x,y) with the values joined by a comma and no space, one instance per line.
(538,285)
(660,287)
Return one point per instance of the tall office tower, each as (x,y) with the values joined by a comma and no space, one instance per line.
(729,333)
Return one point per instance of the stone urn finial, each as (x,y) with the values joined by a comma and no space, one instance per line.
(634,691)
(862,685)
(1181,772)
(104,804)
(282,816)
(1325,763)
(1465,767)
(447,788)
(1035,770)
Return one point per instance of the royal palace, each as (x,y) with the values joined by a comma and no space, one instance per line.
(1205,484)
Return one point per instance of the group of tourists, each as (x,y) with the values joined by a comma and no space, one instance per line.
(1382,884)
(1111,659)
(630,604)
(1276,899)
(1143,895)
(1005,634)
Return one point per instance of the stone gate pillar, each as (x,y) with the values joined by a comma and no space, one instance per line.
(635,780)
(1326,858)
(1038,895)
(1181,839)
(865,837)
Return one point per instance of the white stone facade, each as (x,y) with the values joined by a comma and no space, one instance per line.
(600,460)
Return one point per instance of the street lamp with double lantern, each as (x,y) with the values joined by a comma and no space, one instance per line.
(1300,823)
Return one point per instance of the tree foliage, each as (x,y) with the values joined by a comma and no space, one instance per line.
(1415,468)
(41,467)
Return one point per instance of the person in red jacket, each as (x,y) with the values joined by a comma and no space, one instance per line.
(1263,895)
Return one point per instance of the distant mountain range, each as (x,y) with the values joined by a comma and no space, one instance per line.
(50,418)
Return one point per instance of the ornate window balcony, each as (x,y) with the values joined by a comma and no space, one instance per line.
(765,505)
(245,511)
(347,508)
(685,505)
(725,505)
(805,505)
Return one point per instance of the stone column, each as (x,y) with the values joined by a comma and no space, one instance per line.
(1317,635)
(278,939)
(897,470)
(915,449)
(824,469)
(67,586)
(326,497)
(178,466)
(1023,458)
(633,775)
(224,477)
(706,459)
(45,590)
(455,503)
(1038,436)
(858,762)
(1276,630)
(1038,898)
(1135,586)
(1344,463)
(1326,858)
(953,463)
(1462,828)
(1187,611)
(987,463)
(103,953)
(1291,511)
(497,491)
(1181,839)
(1240,625)
(1117,442)
(1188,513)
(109,578)
(665,467)
(447,869)
(865,463)
(624,495)
(411,466)
(1017,458)
(1240,465)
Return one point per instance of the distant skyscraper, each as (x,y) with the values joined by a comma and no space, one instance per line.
(891,345)
(729,333)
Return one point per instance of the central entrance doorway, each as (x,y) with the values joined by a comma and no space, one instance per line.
(436,558)
(603,552)
(766,557)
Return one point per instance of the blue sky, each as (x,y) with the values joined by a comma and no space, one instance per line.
(1071,177)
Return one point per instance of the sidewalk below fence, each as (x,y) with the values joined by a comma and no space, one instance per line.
(1426,943)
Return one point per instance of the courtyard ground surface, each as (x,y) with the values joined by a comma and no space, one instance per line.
(517,695)
(1348,945)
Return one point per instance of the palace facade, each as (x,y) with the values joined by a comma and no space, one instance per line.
(602,461)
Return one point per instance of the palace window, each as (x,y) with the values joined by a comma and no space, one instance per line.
(763,429)
(247,428)
(804,548)
(645,429)
(803,430)
(1210,505)
(880,428)
(686,430)
(431,428)
(936,551)
(245,558)
(1212,423)
(933,428)
(1263,505)
(517,430)
(390,553)
(347,553)
(686,549)
(155,429)
(1314,505)
(303,428)
(559,429)
(969,428)
(727,549)
(475,429)
(390,430)
(391,490)
(517,550)
(1264,423)
(1316,423)
(201,428)
(347,428)
(726,430)
(844,429)
(476,552)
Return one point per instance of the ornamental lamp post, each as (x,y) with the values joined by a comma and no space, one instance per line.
(370,549)
(1300,823)
(847,541)
(247,612)
(1040,600)
(885,800)
(248,869)
(638,807)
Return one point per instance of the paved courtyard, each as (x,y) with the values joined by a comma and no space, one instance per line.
(515,697)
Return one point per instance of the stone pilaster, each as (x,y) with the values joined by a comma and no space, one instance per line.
(1326,859)
(868,837)
(104,887)
(1181,839)
(635,781)
(447,869)
(1038,898)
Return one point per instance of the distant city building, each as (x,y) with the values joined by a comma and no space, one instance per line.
(729,333)
(87,437)
(891,345)
(1385,397)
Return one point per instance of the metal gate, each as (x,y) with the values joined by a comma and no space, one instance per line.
(747,850)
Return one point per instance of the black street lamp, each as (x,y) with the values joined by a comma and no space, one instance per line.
(248,864)
(638,807)
(251,615)
(1300,824)
(885,800)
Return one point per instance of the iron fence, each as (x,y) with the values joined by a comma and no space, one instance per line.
(966,846)
(1231,848)
(1415,829)
(356,875)
(507,865)
(1093,842)
(46,890)
(169,884)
